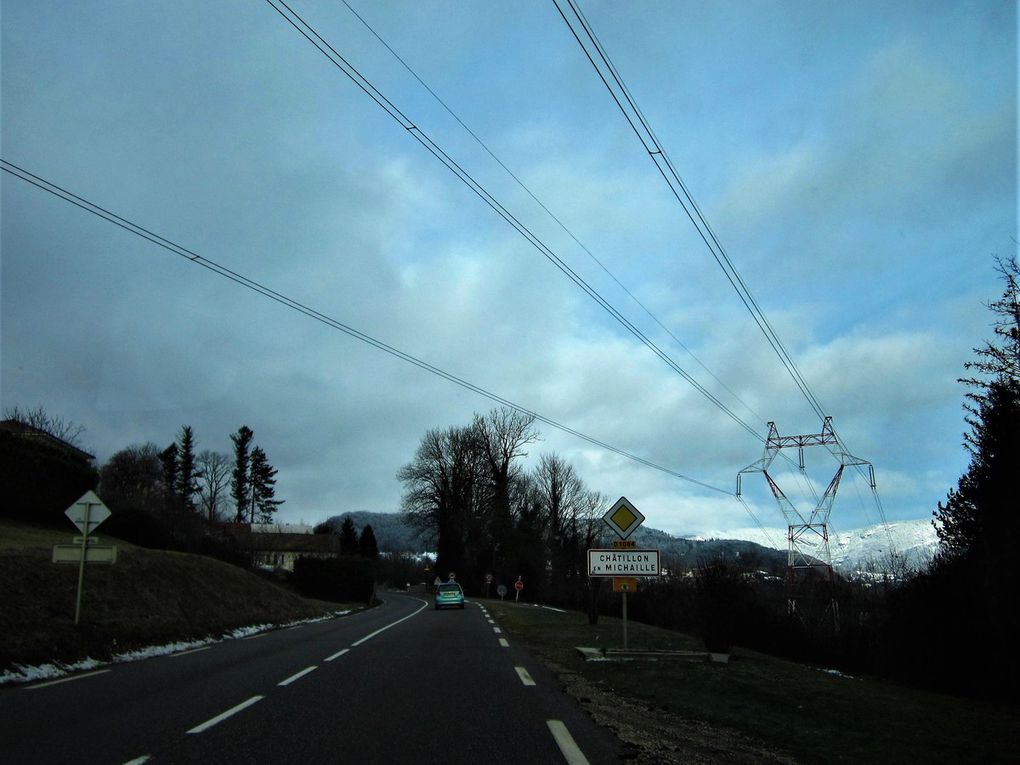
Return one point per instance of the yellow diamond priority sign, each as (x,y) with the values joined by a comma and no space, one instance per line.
(623,518)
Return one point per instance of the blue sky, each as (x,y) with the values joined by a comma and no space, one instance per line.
(858,161)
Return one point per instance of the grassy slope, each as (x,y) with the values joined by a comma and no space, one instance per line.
(790,709)
(147,597)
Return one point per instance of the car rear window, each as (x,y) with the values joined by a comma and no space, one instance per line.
(449,588)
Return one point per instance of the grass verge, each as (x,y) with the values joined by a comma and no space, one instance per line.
(148,597)
(756,708)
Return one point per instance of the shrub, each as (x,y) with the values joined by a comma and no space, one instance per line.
(342,579)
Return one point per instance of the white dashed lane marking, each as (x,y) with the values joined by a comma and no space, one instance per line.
(571,751)
(298,676)
(223,716)
(337,655)
(525,677)
(504,643)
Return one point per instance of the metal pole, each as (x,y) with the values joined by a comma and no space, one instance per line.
(624,620)
(81,563)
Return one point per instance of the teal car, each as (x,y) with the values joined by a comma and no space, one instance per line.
(449,595)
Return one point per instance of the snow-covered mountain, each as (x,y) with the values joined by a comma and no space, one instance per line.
(865,550)
(912,544)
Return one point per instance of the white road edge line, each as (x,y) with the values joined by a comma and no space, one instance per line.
(257,635)
(502,642)
(337,655)
(65,679)
(524,675)
(139,760)
(392,624)
(571,751)
(497,630)
(193,650)
(221,717)
(299,675)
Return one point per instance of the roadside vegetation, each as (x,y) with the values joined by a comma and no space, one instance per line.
(756,708)
(149,597)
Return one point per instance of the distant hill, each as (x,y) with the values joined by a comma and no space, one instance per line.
(393,534)
(912,542)
(684,552)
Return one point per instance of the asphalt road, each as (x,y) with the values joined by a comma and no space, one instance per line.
(400,683)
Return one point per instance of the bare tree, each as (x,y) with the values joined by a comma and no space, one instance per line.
(442,486)
(561,493)
(214,468)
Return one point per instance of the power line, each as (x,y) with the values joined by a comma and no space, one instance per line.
(312,313)
(341,63)
(664,165)
(544,207)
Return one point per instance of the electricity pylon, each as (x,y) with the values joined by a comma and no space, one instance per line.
(807,534)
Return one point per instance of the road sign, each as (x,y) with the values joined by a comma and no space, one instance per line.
(88,506)
(624,584)
(93,554)
(518,585)
(623,563)
(488,578)
(501,591)
(623,518)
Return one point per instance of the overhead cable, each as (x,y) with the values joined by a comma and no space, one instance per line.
(594,52)
(544,207)
(312,313)
(341,63)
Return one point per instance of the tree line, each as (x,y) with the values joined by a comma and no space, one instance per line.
(466,489)
(174,495)
(351,542)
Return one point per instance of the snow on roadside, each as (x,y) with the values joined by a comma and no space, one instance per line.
(31,674)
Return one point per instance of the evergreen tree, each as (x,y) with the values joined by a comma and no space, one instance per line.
(239,485)
(977,523)
(262,486)
(348,537)
(171,469)
(367,546)
(974,577)
(187,473)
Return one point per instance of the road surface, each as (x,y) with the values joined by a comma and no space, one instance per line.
(400,683)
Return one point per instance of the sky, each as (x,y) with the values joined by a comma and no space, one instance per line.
(858,161)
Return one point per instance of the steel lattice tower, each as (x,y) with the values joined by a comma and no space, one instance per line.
(807,534)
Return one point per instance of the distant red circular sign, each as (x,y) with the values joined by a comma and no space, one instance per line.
(519,585)
(488,578)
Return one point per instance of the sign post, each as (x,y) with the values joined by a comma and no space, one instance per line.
(624,562)
(518,586)
(87,513)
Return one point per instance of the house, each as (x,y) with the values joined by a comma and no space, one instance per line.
(41,473)
(279,550)
(32,434)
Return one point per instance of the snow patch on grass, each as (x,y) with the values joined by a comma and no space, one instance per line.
(30,674)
